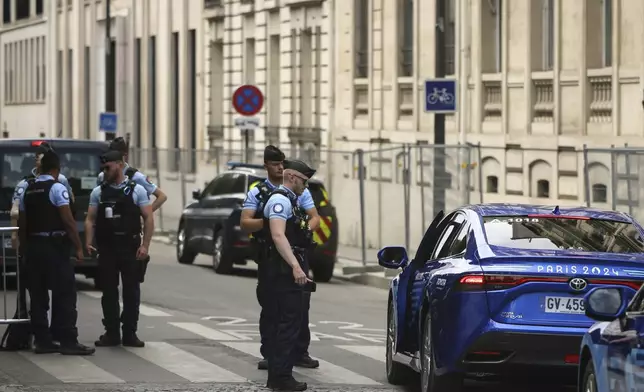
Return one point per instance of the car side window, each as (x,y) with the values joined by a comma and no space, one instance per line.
(637,303)
(221,185)
(239,184)
(446,240)
(209,188)
(460,241)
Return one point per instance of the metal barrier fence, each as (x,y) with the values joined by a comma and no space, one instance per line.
(21,318)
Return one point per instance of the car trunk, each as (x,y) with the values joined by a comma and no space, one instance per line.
(547,288)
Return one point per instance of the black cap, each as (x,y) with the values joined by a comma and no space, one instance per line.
(43,148)
(111,156)
(299,166)
(119,144)
(273,154)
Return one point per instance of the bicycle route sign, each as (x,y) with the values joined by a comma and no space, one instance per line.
(440,95)
(248,100)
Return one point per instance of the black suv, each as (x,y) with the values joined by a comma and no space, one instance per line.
(79,163)
(210,224)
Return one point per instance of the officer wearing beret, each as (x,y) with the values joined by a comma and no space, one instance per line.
(46,227)
(288,238)
(116,208)
(252,222)
(119,144)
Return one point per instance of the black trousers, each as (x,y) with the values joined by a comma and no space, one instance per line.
(50,267)
(304,337)
(285,309)
(113,265)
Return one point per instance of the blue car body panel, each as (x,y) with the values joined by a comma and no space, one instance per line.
(461,320)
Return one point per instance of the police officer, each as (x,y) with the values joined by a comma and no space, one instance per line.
(119,144)
(116,208)
(252,222)
(288,238)
(46,228)
(24,183)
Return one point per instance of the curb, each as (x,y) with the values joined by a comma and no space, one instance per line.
(371,276)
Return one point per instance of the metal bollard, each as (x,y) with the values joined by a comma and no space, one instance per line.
(21,318)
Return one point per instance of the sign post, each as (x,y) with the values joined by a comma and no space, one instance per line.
(108,122)
(248,100)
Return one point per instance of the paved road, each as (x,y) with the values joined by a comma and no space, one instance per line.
(201,335)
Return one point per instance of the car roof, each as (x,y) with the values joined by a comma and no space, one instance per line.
(61,143)
(506,209)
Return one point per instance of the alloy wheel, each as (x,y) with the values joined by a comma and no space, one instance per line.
(216,252)
(591,385)
(181,238)
(391,338)
(426,358)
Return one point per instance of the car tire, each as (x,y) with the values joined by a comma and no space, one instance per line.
(397,373)
(589,381)
(323,269)
(222,263)
(429,380)
(184,254)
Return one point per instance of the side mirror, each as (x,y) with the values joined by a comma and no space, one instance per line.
(196,194)
(393,257)
(605,303)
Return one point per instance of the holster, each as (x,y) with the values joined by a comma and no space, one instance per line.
(142,268)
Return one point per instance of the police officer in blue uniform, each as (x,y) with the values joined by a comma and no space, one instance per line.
(46,227)
(116,208)
(288,238)
(119,144)
(252,222)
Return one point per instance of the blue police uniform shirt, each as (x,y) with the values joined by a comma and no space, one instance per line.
(138,177)
(305,200)
(23,184)
(58,194)
(279,206)
(139,195)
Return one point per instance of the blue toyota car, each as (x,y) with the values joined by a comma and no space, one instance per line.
(498,289)
(612,352)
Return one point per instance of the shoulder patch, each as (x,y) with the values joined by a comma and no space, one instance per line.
(278,208)
(20,190)
(65,195)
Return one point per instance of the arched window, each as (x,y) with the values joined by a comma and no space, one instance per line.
(543,188)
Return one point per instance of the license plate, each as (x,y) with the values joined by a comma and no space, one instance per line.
(566,305)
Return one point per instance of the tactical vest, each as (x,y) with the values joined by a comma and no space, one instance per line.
(124,227)
(297,233)
(262,197)
(72,206)
(42,215)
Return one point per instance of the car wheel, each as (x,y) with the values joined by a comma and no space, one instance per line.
(397,373)
(429,380)
(322,270)
(589,383)
(221,262)
(184,254)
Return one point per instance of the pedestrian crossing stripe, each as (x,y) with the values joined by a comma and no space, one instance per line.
(188,363)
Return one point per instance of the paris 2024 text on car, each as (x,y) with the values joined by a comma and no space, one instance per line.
(498,289)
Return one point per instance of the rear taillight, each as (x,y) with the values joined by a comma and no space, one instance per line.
(503,282)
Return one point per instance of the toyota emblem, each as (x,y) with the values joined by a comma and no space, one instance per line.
(578,284)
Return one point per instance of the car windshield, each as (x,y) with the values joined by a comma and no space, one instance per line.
(79,165)
(555,233)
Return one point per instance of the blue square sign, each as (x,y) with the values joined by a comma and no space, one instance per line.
(107,122)
(440,95)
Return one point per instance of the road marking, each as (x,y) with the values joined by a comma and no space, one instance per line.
(327,373)
(144,310)
(71,369)
(184,364)
(374,352)
(203,331)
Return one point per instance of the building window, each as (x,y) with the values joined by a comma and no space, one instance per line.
(600,193)
(39,7)
(406,36)
(543,188)
(548,28)
(492,35)
(607,33)
(22,9)
(449,34)
(492,184)
(361,38)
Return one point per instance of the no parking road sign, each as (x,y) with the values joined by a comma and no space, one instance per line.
(248,100)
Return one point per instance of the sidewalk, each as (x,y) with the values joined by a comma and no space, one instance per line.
(348,266)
